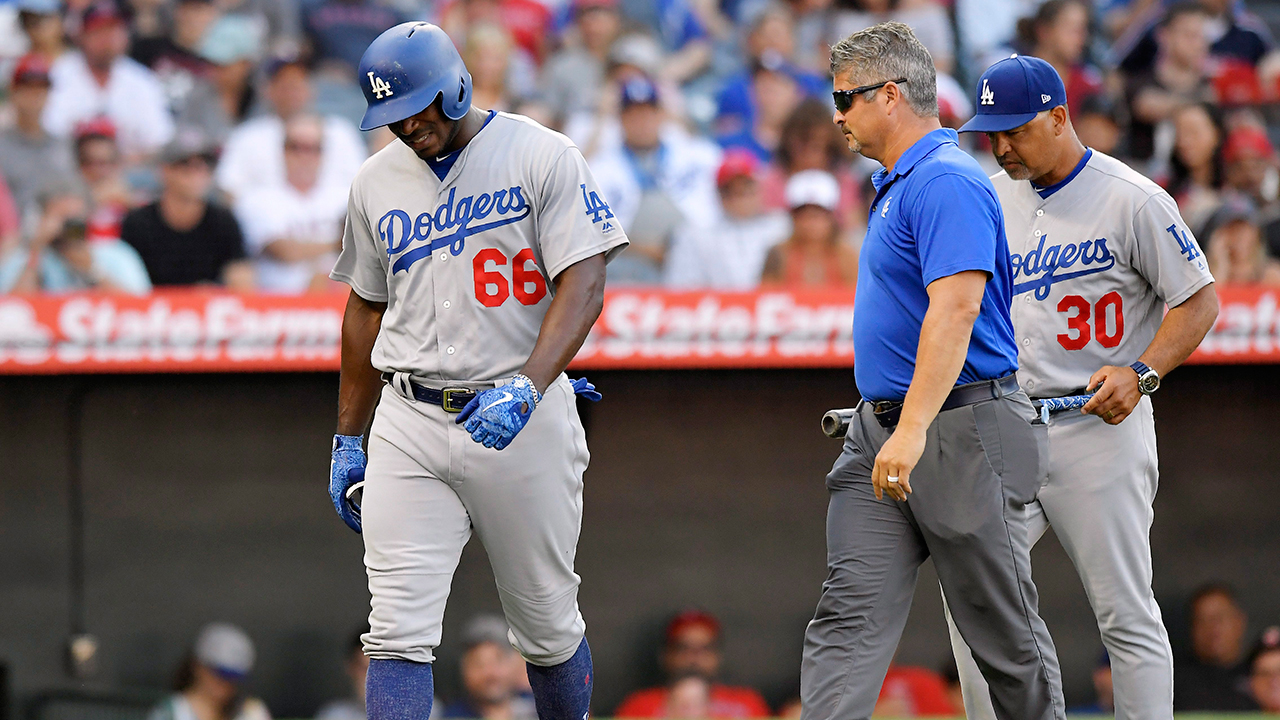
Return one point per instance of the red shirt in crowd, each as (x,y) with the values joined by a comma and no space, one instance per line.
(726,702)
(916,692)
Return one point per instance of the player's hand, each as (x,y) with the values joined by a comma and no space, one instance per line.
(896,459)
(494,417)
(346,476)
(1117,397)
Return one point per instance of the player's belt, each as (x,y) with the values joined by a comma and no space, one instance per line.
(452,399)
(887,412)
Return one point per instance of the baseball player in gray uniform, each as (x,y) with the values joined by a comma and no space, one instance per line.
(475,249)
(1098,251)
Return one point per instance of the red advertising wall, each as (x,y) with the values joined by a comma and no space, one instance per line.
(213,331)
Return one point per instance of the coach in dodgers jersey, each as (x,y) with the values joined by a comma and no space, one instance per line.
(475,249)
(1098,251)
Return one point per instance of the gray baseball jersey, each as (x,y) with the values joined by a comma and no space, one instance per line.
(1096,258)
(1094,264)
(464,263)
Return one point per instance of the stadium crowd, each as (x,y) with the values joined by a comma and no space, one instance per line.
(149,143)
(1223,672)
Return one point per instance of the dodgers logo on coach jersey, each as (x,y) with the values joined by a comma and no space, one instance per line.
(398,231)
(1043,264)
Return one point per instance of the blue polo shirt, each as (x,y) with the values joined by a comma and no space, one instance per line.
(934,216)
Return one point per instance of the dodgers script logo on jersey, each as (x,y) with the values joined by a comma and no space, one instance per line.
(1045,262)
(399,231)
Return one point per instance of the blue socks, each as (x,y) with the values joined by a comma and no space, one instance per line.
(401,690)
(561,692)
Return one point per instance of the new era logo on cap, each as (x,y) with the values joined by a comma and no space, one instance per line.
(1013,91)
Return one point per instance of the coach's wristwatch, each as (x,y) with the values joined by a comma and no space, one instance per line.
(1148,379)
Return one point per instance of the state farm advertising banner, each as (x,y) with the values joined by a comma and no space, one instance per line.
(211,331)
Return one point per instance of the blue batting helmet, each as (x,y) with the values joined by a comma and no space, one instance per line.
(406,68)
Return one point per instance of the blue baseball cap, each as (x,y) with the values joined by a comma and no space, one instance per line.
(1013,91)
(639,90)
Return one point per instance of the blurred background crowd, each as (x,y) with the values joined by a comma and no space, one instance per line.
(150,143)
(1226,671)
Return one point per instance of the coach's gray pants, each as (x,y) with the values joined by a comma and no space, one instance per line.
(1101,484)
(981,465)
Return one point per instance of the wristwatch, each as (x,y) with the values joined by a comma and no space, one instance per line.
(1148,379)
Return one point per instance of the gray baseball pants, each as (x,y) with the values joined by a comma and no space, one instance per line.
(982,465)
(1101,484)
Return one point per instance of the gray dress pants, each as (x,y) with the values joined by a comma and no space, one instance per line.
(981,465)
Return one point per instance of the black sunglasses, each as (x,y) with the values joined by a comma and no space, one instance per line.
(844,98)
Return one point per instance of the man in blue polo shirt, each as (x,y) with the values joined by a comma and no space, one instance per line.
(942,457)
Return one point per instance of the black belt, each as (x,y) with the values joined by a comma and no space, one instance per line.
(452,399)
(887,412)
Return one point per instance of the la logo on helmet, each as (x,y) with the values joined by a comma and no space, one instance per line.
(988,97)
(379,86)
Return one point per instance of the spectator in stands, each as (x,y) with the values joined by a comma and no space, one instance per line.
(692,647)
(679,30)
(100,80)
(1237,33)
(774,94)
(30,158)
(186,75)
(810,141)
(98,158)
(1059,34)
(730,254)
(689,698)
(1104,694)
(573,78)
(210,681)
(59,258)
(1100,124)
(927,18)
(811,27)
(1177,78)
(41,22)
(909,692)
(1236,250)
(770,43)
(1264,671)
(253,156)
(183,237)
(295,228)
(1195,167)
(813,256)
(488,693)
(496,83)
(527,21)
(658,183)
(356,666)
(1251,166)
(340,30)
(1214,678)
(233,45)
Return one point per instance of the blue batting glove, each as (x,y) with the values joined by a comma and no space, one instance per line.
(584,388)
(346,476)
(494,417)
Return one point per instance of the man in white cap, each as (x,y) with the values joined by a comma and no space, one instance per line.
(813,255)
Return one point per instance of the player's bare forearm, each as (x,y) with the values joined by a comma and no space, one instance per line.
(578,302)
(954,303)
(1182,330)
(359,382)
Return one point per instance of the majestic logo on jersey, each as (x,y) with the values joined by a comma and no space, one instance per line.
(1047,262)
(379,87)
(398,231)
(1185,243)
(988,97)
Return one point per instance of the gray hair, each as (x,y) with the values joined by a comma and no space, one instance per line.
(889,51)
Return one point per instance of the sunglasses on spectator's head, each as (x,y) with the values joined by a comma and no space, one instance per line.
(844,98)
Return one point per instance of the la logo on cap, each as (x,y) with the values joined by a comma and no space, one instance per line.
(988,97)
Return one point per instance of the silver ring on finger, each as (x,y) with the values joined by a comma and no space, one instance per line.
(893,479)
